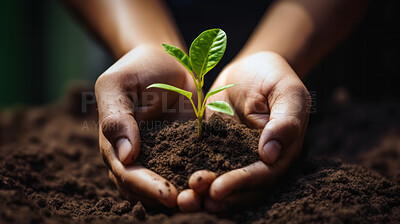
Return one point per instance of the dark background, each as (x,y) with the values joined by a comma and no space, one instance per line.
(43,49)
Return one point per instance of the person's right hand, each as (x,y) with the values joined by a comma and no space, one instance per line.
(124,105)
(270,96)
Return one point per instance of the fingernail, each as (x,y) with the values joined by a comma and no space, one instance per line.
(124,147)
(271,150)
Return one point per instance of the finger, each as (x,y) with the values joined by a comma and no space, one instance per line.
(131,196)
(140,180)
(189,201)
(241,199)
(200,181)
(279,132)
(143,181)
(250,177)
(214,206)
(116,120)
(254,111)
(145,184)
(288,120)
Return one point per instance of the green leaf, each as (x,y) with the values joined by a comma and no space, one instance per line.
(172,88)
(221,106)
(207,50)
(179,55)
(217,90)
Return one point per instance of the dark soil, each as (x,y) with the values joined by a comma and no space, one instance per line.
(175,151)
(51,172)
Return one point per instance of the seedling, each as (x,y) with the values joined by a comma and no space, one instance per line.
(204,54)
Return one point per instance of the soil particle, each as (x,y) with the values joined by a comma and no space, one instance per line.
(122,208)
(138,211)
(385,157)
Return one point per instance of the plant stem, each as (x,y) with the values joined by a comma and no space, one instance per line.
(199,115)
(199,119)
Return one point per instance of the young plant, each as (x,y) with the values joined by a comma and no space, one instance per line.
(204,54)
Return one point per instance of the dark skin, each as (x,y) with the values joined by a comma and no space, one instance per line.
(290,39)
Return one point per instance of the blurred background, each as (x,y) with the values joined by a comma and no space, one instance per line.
(43,50)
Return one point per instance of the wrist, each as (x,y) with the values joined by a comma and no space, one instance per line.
(268,54)
(291,57)
(122,46)
(126,41)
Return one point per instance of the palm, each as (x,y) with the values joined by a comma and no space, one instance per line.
(248,98)
(154,66)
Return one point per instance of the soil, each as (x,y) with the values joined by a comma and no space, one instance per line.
(175,151)
(51,172)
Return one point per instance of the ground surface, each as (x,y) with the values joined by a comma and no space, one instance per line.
(51,172)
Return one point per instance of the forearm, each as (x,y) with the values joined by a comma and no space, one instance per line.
(303,31)
(122,25)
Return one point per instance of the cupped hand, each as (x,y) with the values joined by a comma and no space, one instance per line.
(125,106)
(270,96)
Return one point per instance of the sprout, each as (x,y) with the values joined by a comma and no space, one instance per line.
(204,54)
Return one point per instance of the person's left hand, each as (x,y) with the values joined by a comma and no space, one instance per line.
(270,96)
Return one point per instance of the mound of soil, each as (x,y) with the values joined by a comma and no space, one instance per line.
(385,157)
(51,172)
(175,151)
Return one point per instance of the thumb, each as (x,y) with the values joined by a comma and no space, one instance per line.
(117,124)
(287,122)
(122,132)
(278,133)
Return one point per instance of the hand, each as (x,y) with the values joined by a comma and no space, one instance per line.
(271,97)
(124,105)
